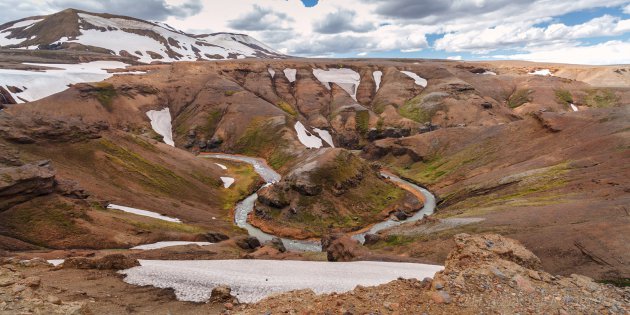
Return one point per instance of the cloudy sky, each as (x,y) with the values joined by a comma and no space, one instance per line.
(572,31)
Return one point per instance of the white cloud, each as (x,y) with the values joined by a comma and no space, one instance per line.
(611,52)
(454,57)
(626,10)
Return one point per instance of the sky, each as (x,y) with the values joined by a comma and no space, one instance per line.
(569,31)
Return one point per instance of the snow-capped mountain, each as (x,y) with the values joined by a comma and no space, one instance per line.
(128,37)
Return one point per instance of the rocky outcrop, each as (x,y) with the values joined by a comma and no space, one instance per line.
(28,129)
(109,262)
(22,183)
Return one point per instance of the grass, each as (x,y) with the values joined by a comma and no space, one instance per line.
(262,138)
(563,97)
(363,121)
(519,97)
(601,98)
(413,110)
(105,94)
(246,182)
(287,108)
(230,92)
(163,226)
(622,282)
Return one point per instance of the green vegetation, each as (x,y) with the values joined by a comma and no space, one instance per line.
(263,139)
(105,93)
(412,109)
(363,121)
(230,92)
(161,225)
(622,282)
(153,176)
(601,98)
(564,97)
(519,97)
(246,182)
(286,107)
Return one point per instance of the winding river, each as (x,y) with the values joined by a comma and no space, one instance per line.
(245,207)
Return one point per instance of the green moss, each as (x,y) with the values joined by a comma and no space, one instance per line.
(413,110)
(601,98)
(151,175)
(519,97)
(163,226)
(286,107)
(363,121)
(622,282)
(564,97)
(7,178)
(105,94)
(230,92)
(263,139)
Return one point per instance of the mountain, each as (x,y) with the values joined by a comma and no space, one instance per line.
(125,36)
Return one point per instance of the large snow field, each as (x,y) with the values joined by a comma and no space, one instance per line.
(40,84)
(161,124)
(145,213)
(253,280)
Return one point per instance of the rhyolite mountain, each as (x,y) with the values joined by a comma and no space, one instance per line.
(125,36)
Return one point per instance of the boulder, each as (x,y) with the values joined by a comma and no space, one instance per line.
(215,237)
(221,294)
(247,242)
(344,249)
(277,244)
(371,239)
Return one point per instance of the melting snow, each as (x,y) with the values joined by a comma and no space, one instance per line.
(221,166)
(418,80)
(347,79)
(169,244)
(227,181)
(253,280)
(24,24)
(489,73)
(574,108)
(40,84)
(143,213)
(377,79)
(272,72)
(161,124)
(325,135)
(309,140)
(543,72)
(56,262)
(290,74)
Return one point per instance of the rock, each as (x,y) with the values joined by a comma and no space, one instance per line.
(491,246)
(523,284)
(440,297)
(486,105)
(33,282)
(371,239)
(278,244)
(19,288)
(221,294)
(22,183)
(109,262)
(343,249)
(247,242)
(215,237)
(306,187)
(273,197)
(401,215)
(54,300)
(70,189)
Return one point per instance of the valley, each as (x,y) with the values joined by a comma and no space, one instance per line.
(224,162)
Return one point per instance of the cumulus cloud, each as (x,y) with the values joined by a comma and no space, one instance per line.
(145,9)
(610,52)
(261,19)
(339,22)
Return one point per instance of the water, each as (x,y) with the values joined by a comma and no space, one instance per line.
(245,207)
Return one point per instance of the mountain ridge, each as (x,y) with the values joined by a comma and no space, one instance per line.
(141,40)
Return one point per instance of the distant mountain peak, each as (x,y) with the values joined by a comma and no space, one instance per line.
(144,41)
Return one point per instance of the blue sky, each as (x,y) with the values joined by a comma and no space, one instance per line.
(570,31)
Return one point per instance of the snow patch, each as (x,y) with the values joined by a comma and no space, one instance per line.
(325,135)
(221,166)
(272,72)
(227,181)
(161,124)
(378,75)
(574,108)
(543,72)
(418,80)
(169,244)
(489,73)
(306,138)
(143,213)
(347,79)
(24,24)
(290,74)
(252,280)
(40,84)
(56,262)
